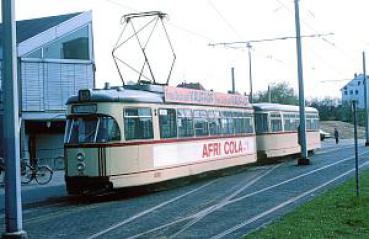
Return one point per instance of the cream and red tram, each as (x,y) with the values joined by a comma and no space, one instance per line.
(145,134)
(276,129)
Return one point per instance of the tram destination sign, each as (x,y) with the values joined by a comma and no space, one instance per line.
(201,97)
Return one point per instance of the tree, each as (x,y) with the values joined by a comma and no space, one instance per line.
(281,93)
(328,108)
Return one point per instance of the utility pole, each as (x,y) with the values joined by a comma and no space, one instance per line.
(354,108)
(365,83)
(13,203)
(303,160)
(250,70)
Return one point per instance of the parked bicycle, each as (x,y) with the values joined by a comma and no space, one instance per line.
(41,173)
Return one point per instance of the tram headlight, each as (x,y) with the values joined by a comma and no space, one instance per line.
(81,167)
(80,157)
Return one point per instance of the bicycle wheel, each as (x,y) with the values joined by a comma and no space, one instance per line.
(26,174)
(43,175)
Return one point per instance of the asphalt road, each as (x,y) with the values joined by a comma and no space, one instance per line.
(225,207)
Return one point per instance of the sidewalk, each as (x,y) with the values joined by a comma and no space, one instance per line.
(57,180)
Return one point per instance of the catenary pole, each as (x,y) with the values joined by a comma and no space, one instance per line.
(354,108)
(250,70)
(13,203)
(303,160)
(365,83)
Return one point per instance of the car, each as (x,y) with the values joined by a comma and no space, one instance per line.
(324,135)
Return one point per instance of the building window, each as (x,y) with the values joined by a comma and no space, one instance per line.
(345,92)
(72,46)
(356,92)
(359,82)
(351,92)
(35,54)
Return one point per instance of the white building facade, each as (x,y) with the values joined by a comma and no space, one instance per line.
(354,90)
(55,60)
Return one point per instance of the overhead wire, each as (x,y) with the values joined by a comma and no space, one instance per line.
(324,39)
(224,19)
(186,30)
(232,28)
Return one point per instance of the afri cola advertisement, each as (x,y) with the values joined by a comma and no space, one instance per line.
(191,152)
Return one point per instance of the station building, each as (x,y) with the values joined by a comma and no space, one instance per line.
(55,60)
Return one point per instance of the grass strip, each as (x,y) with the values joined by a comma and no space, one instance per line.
(338,213)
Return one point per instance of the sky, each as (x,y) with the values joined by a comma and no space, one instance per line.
(328,62)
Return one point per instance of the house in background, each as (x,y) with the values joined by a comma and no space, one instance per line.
(354,90)
(55,60)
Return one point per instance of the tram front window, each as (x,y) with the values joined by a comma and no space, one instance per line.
(91,129)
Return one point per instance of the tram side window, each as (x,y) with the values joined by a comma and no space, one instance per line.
(312,122)
(315,123)
(227,123)
(138,123)
(276,122)
(168,123)
(249,125)
(243,123)
(214,122)
(276,125)
(297,121)
(261,122)
(308,122)
(239,122)
(289,122)
(185,123)
(108,130)
(201,123)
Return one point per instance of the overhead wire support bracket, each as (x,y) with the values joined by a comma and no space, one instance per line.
(268,39)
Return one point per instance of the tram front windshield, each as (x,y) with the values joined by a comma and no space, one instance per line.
(91,129)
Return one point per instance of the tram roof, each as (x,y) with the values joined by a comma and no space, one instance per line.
(120,94)
(147,93)
(280,107)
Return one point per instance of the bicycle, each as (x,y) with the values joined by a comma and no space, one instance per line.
(41,174)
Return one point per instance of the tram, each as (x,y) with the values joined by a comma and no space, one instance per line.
(144,134)
(276,130)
